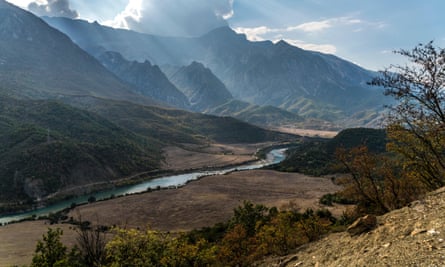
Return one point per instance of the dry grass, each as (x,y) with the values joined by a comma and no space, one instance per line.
(200,203)
(215,155)
(307,132)
(18,241)
(209,200)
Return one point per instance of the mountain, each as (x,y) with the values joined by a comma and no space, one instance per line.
(49,148)
(147,79)
(203,89)
(68,125)
(38,61)
(255,114)
(263,73)
(208,94)
(173,126)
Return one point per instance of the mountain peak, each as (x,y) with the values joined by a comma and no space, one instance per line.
(203,89)
(196,65)
(227,33)
(146,79)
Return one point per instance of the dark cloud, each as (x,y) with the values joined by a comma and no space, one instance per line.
(53,8)
(175,17)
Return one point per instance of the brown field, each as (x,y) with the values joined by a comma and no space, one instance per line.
(307,132)
(200,203)
(208,201)
(18,241)
(215,155)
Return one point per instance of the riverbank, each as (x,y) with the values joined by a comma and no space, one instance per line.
(201,203)
(143,183)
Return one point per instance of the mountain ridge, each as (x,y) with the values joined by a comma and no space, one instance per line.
(39,61)
(203,89)
(261,73)
(147,79)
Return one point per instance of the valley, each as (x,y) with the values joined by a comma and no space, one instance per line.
(201,203)
(224,144)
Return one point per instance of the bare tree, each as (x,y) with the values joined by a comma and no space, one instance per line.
(91,241)
(416,124)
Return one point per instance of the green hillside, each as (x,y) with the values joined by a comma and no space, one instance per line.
(47,146)
(316,156)
(176,126)
(258,115)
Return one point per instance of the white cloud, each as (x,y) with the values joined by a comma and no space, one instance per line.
(295,34)
(323,48)
(258,34)
(174,17)
(307,27)
(254,34)
(54,8)
(313,26)
(21,3)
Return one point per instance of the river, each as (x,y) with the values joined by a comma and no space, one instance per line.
(273,157)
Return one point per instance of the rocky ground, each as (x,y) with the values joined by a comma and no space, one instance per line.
(411,236)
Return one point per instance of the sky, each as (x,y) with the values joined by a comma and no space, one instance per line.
(365,32)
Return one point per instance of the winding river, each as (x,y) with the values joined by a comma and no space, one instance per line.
(273,157)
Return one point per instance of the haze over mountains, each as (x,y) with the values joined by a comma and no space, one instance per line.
(67,122)
(72,105)
(311,84)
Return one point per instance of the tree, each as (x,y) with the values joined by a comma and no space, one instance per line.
(416,124)
(249,216)
(136,248)
(92,242)
(376,182)
(51,252)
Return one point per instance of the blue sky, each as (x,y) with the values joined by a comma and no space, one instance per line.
(362,31)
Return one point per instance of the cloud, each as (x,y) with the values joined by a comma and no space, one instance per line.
(313,26)
(174,17)
(311,30)
(323,48)
(255,34)
(53,8)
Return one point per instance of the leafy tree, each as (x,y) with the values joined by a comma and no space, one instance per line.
(279,236)
(182,252)
(417,122)
(136,248)
(237,247)
(377,183)
(249,216)
(51,252)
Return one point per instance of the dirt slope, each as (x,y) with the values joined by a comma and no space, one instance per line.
(411,236)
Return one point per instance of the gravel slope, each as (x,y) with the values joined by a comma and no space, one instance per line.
(411,236)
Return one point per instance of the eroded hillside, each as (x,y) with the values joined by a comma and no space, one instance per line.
(411,236)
